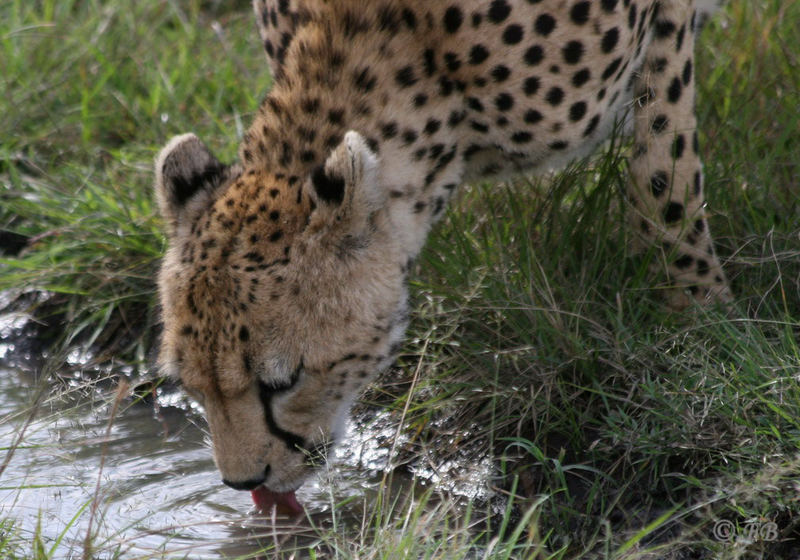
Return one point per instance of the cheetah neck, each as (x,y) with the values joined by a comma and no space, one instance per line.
(333,81)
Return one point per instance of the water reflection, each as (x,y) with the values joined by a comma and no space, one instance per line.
(158,492)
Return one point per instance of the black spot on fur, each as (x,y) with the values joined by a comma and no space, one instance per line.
(664,28)
(432,126)
(612,68)
(608,5)
(581,77)
(659,182)
(475,104)
(500,73)
(678,146)
(532,116)
(389,130)
(513,34)
(660,124)
(699,226)
(478,126)
(534,55)
(409,136)
(679,38)
(658,65)
(446,86)
(573,51)
(354,24)
(451,61)
(336,116)
(580,12)
(409,19)
(429,62)
(531,85)
(504,102)
(453,17)
(388,19)
(610,40)
(455,118)
(364,80)
(521,137)
(674,90)
(687,73)
(673,212)
(632,16)
(555,96)
(499,11)
(544,24)
(477,54)
(405,77)
(577,111)
(684,261)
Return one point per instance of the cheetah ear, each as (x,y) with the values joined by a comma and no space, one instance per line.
(187,176)
(346,188)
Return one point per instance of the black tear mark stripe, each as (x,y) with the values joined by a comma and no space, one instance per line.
(293,441)
(266,392)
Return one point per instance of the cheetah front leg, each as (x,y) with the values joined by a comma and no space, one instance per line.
(666,189)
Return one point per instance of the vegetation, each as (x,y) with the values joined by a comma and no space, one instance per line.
(615,429)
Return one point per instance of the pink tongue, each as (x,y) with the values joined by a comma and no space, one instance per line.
(285,502)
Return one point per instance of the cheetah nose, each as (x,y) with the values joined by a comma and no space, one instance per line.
(250,484)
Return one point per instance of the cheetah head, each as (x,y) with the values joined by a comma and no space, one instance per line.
(281,297)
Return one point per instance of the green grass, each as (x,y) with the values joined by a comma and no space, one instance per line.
(621,430)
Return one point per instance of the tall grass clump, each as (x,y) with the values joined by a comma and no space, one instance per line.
(88,96)
(545,342)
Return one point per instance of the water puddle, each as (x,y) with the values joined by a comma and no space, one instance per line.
(146,485)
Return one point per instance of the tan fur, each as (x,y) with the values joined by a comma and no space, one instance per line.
(283,288)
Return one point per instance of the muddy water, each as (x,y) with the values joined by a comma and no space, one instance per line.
(146,486)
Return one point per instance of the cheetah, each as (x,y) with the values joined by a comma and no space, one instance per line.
(283,287)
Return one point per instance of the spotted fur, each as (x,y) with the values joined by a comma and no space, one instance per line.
(283,287)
